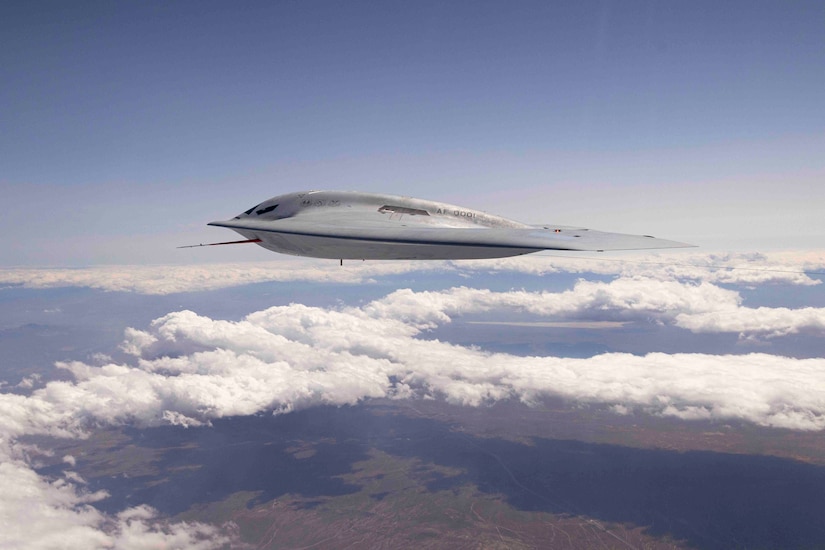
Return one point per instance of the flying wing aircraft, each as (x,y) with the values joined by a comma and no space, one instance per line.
(366,226)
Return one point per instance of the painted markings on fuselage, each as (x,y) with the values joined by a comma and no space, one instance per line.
(457,213)
(307,202)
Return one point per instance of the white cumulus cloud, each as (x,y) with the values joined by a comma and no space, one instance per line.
(698,307)
(188,368)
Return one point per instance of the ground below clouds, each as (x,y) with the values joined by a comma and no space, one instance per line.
(394,473)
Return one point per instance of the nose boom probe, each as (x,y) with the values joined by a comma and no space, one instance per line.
(217,244)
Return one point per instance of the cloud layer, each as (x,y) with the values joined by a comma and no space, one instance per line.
(752,269)
(188,369)
(294,356)
(701,308)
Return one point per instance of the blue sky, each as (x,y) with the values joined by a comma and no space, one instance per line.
(127,126)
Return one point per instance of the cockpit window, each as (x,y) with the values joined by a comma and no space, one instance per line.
(402,210)
(248,212)
(267,209)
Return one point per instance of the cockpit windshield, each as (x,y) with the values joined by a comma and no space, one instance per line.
(269,208)
(260,211)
